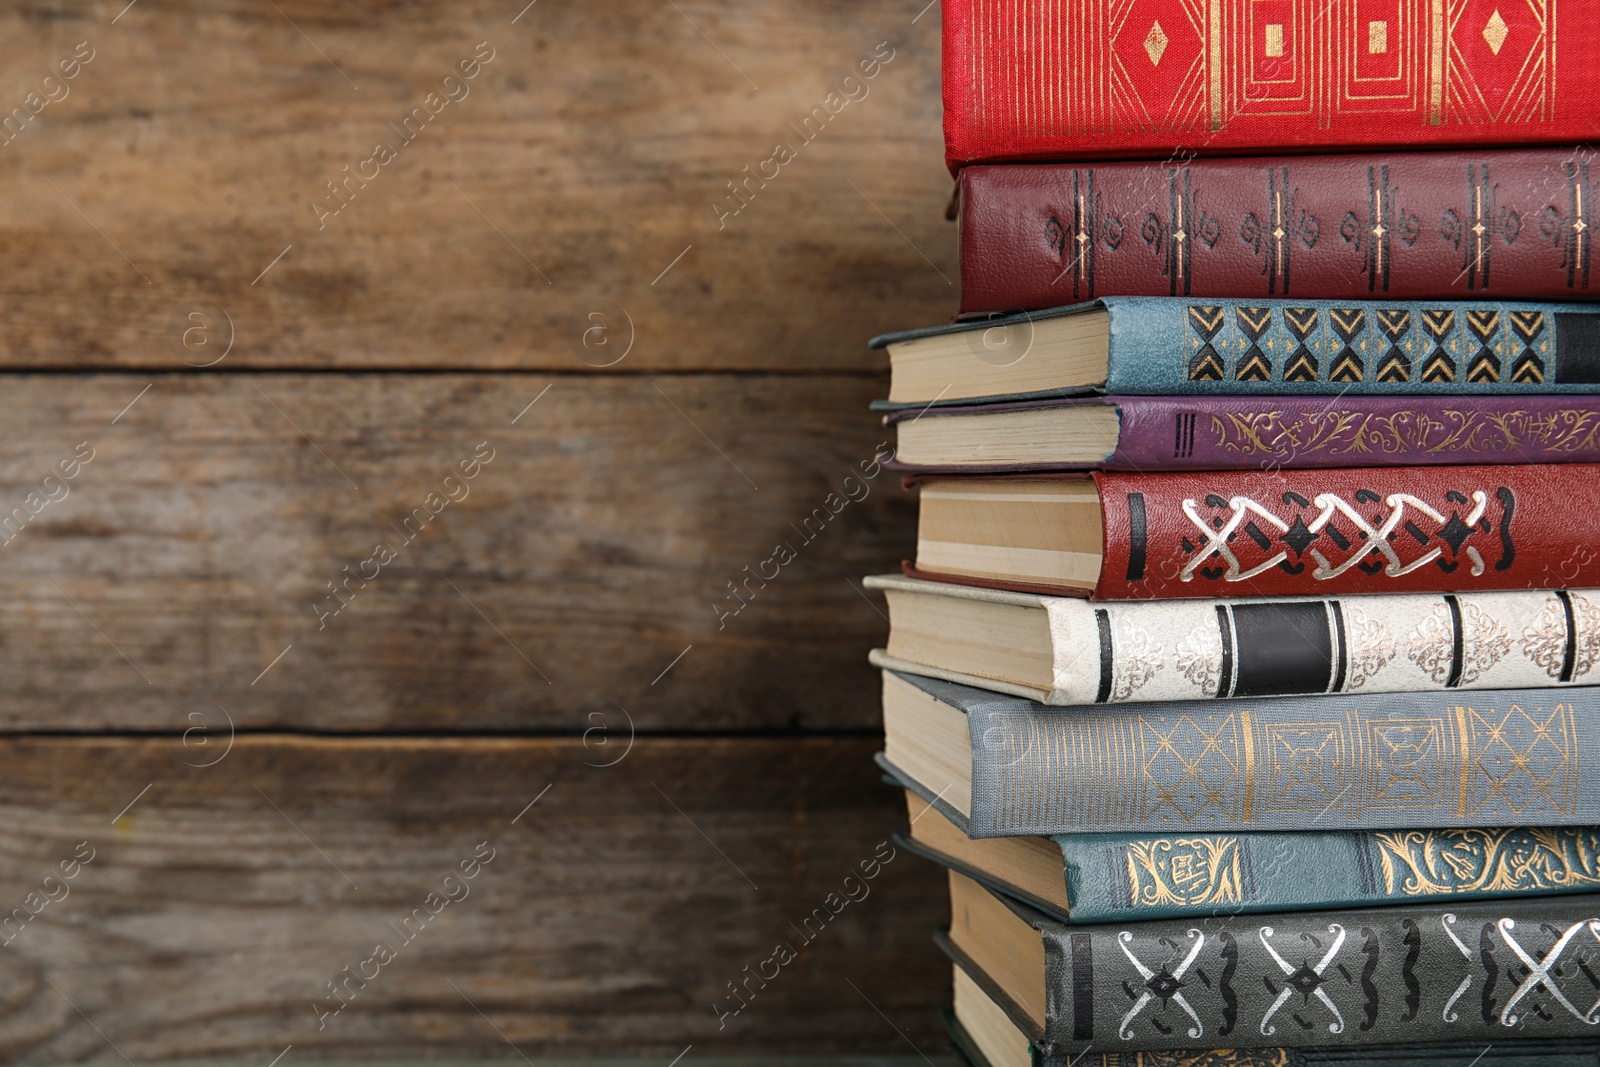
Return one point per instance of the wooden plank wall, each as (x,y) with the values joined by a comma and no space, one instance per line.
(335,536)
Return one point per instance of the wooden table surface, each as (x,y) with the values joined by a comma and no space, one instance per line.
(391,393)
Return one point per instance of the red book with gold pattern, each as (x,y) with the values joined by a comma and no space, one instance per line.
(1077,79)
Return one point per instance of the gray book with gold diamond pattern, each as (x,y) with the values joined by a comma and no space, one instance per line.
(1507,757)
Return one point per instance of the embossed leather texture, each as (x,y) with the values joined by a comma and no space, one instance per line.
(1406,226)
(1569,1053)
(1135,877)
(1164,346)
(1170,433)
(1149,650)
(1079,79)
(1382,761)
(1486,972)
(1113,878)
(1372,530)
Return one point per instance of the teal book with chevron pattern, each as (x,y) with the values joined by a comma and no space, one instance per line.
(1179,346)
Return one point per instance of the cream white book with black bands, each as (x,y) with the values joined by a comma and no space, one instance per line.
(1150,650)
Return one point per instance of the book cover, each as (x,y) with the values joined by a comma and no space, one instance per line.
(1366,530)
(1129,877)
(1152,650)
(1166,346)
(1571,1053)
(1180,433)
(1379,761)
(1484,973)
(1075,79)
(1115,879)
(1399,225)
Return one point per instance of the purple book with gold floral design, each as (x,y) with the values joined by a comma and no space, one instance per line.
(1171,433)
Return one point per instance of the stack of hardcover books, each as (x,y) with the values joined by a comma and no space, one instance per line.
(1244,677)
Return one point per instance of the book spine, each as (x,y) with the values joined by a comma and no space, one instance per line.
(1407,226)
(1075,79)
(1167,346)
(1268,433)
(1367,762)
(1138,877)
(1151,650)
(1487,973)
(1571,1052)
(1348,531)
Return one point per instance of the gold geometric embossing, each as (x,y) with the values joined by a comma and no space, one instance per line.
(1438,369)
(1254,321)
(1255,368)
(1377,38)
(1206,319)
(1527,325)
(1190,766)
(1185,871)
(1483,370)
(1439,323)
(1155,43)
(1347,368)
(1495,31)
(1519,762)
(1393,368)
(1208,369)
(1305,766)
(1275,40)
(1407,764)
(1086,68)
(1436,63)
(1513,79)
(1483,323)
(1346,320)
(1395,323)
(1527,373)
(1450,862)
(1300,368)
(1301,320)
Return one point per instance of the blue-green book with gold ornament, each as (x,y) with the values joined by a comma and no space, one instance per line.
(1180,346)
(1101,878)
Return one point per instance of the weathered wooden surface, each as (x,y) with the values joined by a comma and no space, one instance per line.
(166,287)
(214,913)
(586,556)
(585,156)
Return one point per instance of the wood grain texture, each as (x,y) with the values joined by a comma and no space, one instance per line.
(585,156)
(214,913)
(587,555)
(698,386)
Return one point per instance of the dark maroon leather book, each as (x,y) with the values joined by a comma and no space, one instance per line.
(1402,226)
